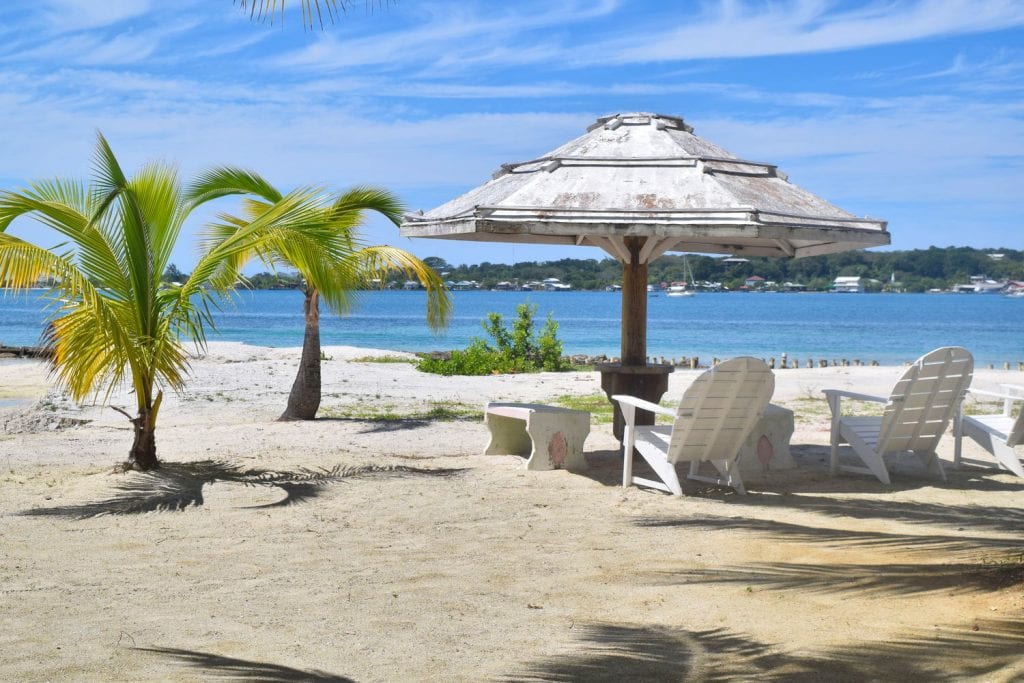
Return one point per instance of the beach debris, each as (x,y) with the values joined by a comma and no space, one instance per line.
(53,412)
(24,351)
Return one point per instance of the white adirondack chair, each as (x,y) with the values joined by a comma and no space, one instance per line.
(997,434)
(917,412)
(714,418)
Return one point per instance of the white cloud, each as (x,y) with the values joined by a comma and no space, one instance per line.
(130,45)
(749,30)
(452,34)
(76,15)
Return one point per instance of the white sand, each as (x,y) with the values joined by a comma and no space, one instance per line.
(486,571)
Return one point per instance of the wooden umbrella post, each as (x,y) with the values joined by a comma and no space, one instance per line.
(634,305)
(633,376)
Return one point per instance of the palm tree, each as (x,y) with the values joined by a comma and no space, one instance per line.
(265,9)
(334,264)
(111,322)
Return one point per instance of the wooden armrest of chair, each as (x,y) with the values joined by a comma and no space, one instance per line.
(842,393)
(995,394)
(635,402)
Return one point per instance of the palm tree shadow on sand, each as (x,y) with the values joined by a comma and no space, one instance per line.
(609,652)
(811,477)
(176,486)
(218,666)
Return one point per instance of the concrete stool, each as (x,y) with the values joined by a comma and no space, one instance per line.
(767,447)
(551,437)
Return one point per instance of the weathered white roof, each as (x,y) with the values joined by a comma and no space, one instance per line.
(647,175)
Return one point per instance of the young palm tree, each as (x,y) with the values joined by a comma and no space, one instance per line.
(111,322)
(334,265)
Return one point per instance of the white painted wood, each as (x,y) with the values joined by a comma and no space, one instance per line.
(650,177)
(550,436)
(613,246)
(920,407)
(653,248)
(997,434)
(714,418)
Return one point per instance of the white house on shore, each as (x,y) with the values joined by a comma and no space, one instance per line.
(848,285)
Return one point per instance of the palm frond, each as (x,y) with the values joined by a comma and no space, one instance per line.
(158,193)
(65,207)
(109,180)
(364,198)
(313,11)
(228,180)
(376,262)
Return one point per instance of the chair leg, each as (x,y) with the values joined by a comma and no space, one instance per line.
(628,443)
(665,470)
(728,474)
(958,436)
(876,463)
(734,480)
(874,460)
(833,467)
(932,463)
(1006,457)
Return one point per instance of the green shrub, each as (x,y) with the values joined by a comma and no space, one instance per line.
(509,351)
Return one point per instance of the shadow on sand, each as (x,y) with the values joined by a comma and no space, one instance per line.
(605,652)
(217,666)
(810,476)
(176,486)
(832,537)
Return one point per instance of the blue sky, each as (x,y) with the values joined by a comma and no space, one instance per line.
(908,111)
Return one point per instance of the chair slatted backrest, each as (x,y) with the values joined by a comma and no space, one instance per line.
(720,408)
(924,399)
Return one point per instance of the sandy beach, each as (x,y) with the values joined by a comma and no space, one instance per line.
(362,548)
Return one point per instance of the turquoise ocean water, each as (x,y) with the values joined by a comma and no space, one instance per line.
(890,328)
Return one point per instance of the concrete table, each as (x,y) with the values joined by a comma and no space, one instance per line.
(552,437)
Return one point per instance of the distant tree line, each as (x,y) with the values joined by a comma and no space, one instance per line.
(915,270)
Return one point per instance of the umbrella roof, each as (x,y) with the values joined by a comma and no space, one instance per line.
(647,175)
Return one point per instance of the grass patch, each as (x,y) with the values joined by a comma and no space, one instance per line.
(436,411)
(598,405)
(976,407)
(807,409)
(384,359)
(600,408)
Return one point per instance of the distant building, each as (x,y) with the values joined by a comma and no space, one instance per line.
(754,281)
(980,284)
(848,285)
(412,284)
(793,287)
(553,284)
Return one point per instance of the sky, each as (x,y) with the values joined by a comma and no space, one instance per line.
(909,111)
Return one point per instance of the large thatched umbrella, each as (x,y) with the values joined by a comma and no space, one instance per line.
(639,185)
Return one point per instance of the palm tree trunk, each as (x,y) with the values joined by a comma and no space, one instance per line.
(304,399)
(143,454)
